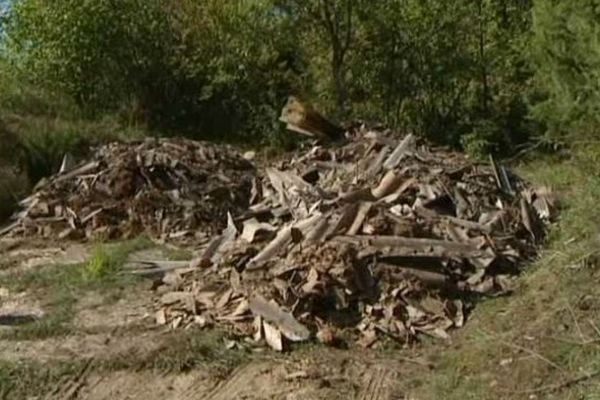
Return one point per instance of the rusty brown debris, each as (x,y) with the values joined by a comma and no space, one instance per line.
(382,236)
(170,189)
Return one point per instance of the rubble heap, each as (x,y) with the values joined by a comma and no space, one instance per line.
(378,237)
(166,188)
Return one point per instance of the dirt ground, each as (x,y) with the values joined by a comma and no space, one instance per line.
(63,337)
(109,343)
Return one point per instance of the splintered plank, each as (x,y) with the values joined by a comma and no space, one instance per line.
(285,322)
(398,154)
(405,246)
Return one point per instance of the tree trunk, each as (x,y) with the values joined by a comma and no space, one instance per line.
(339,82)
(482,60)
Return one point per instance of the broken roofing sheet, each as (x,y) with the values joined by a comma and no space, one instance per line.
(377,237)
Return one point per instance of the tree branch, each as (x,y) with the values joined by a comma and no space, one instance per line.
(349,10)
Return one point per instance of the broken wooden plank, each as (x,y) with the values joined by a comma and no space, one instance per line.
(415,246)
(9,228)
(273,336)
(401,150)
(285,322)
(377,164)
(361,215)
(501,175)
(527,218)
(303,118)
(389,183)
(319,230)
(84,169)
(252,227)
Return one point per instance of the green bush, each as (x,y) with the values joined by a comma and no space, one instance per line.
(39,126)
(12,188)
(208,69)
(222,70)
(93,50)
(436,68)
(565,51)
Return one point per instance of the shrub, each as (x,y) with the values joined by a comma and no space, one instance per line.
(565,51)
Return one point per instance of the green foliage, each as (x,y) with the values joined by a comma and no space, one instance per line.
(38,126)
(444,69)
(455,72)
(106,260)
(210,69)
(93,50)
(566,53)
(485,139)
(100,264)
(240,62)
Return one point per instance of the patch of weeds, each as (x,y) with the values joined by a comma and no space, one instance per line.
(177,253)
(61,286)
(27,380)
(44,278)
(93,274)
(100,264)
(529,341)
(107,259)
(193,349)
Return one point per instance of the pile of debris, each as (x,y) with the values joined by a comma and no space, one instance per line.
(374,236)
(378,237)
(171,189)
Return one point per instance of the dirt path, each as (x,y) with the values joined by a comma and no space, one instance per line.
(255,380)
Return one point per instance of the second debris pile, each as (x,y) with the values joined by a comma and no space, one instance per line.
(379,237)
(170,189)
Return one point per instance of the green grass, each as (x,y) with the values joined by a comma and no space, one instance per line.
(193,349)
(106,260)
(174,253)
(543,338)
(60,287)
(33,379)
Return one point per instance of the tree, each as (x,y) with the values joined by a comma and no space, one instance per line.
(97,51)
(333,19)
(453,71)
(207,69)
(566,57)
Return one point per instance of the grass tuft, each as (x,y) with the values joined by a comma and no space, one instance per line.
(100,264)
(194,349)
